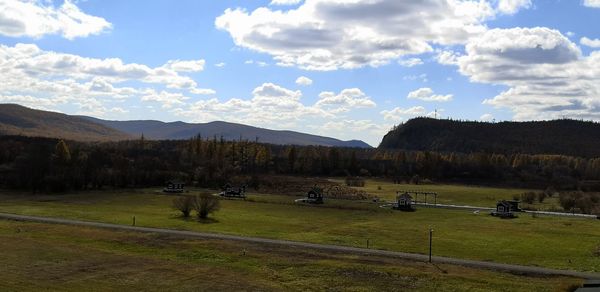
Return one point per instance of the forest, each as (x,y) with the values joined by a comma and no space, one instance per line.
(46,164)
(560,137)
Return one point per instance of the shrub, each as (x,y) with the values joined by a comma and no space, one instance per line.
(183,204)
(541,196)
(205,204)
(528,197)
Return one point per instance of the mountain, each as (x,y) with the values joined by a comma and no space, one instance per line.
(566,137)
(157,130)
(20,120)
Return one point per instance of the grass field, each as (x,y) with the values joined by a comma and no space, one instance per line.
(54,257)
(453,194)
(566,243)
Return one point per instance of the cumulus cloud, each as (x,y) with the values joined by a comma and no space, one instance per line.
(20,18)
(345,100)
(513,6)
(592,3)
(185,66)
(546,75)
(592,43)
(33,76)
(426,94)
(329,35)
(305,81)
(398,114)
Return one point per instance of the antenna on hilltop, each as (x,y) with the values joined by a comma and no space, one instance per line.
(435,114)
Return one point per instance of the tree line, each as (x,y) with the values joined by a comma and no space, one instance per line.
(43,164)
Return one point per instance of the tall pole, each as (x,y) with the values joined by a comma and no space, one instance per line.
(430,239)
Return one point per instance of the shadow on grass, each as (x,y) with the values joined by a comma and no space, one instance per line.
(192,218)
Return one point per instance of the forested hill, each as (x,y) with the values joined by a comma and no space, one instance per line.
(566,137)
(157,130)
(23,121)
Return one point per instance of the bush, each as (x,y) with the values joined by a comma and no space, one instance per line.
(183,204)
(355,181)
(205,204)
(541,196)
(528,197)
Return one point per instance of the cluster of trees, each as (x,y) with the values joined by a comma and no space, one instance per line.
(49,164)
(203,204)
(584,202)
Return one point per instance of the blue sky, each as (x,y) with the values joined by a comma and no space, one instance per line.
(366,65)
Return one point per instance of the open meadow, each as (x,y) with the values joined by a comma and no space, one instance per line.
(564,243)
(70,258)
(479,196)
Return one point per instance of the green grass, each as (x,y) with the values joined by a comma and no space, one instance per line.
(68,258)
(565,243)
(453,194)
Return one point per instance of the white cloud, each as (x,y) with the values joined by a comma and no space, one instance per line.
(329,35)
(344,101)
(185,66)
(30,75)
(513,6)
(303,80)
(447,57)
(203,91)
(411,62)
(592,43)
(220,65)
(546,74)
(426,94)
(20,18)
(285,2)
(167,99)
(486,117)
(398,114)
(592,3)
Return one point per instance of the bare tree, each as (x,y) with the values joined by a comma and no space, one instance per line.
(205,204)
(184,204)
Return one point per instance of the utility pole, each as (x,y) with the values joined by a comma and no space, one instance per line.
(430,239)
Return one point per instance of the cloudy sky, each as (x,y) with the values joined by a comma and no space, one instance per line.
(349,69)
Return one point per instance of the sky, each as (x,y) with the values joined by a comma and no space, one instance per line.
(348,69)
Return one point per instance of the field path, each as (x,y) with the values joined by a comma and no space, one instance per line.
(529,270)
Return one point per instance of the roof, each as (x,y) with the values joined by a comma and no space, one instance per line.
(405,195)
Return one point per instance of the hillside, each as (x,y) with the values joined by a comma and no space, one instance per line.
(20,120)
(567,137)
(157,130)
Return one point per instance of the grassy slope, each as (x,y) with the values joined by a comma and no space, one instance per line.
(566,243)
(67,258)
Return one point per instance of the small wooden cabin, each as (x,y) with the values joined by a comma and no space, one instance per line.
(506,209)
(174,187)
(315,196)
(404,202)
(231,192)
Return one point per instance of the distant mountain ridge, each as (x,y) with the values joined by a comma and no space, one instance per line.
(157,130)
(564,137)
(19,120)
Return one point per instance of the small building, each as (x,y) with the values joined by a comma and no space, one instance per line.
(506,209)
(231,192)
(404,202)
(174,187)
(314,196)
